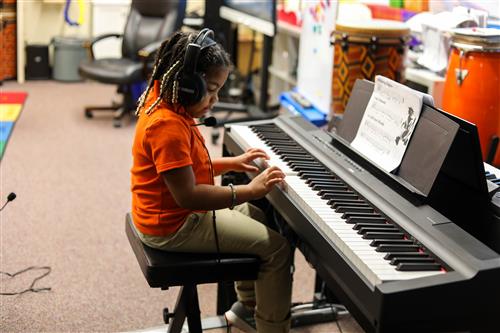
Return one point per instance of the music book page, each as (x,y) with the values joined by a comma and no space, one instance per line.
(388,123)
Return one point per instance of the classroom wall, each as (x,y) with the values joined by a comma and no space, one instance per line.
(45,19)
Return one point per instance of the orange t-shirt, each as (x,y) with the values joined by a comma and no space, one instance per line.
(164,140)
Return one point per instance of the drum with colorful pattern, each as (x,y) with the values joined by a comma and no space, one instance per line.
(363,50)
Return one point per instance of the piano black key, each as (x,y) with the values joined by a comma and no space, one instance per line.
(282,144)
(347,215)
(333,187)
(364,219)
(391,255)
(277,139)
(309,169)
(267,129)
(380,228)
(418,267)
(377,242)
(312,176)
(396,261)
(306,164)
(383,235)
(345,202)
(356,209)
(357,226)
(273,135)
(288,150)
(297,158)
(397,248)
(334,196)
(335,191)
(490,175)
(331,181)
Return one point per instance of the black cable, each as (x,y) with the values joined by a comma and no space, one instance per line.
(10,198)
(337,322)
(214,226)
(31,287)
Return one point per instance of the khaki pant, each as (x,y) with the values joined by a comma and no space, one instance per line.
(239,231)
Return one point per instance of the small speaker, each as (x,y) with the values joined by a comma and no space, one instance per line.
(37,62)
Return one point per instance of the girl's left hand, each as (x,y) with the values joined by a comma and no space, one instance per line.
(241,162)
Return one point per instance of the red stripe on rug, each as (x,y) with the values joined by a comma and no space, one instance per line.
(12,97)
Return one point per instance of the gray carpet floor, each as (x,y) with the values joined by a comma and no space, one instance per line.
(71,177)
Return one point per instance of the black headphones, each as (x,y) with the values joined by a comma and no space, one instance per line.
(192,86)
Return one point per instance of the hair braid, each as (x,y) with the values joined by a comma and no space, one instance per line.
(164,78)
(169,66)
(159,64)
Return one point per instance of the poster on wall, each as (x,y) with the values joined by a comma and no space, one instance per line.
(314,72)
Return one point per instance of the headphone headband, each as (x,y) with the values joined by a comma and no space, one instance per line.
(201,41)
(205,34)
(192,86)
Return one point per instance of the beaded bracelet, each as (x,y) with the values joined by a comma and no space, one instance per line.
(233,196)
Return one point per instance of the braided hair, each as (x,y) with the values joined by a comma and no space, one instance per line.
(168,67)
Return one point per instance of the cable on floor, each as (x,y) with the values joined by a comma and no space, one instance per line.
(32,286)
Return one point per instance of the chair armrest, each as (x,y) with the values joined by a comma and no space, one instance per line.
(90,45)
(147,53)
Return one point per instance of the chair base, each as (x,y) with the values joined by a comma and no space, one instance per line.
(119,111)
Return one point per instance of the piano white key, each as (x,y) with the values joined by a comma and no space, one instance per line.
(351,244)
(245,135)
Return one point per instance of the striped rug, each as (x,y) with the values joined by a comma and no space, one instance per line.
(11,104)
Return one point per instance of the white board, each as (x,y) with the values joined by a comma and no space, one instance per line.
(315,67)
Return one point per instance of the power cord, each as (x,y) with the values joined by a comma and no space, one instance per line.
(214,224)
(31,287)
(10,198)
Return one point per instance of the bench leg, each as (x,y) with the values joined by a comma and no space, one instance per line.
(193,312)
(186,306)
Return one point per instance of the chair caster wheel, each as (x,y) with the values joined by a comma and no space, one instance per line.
(88,114)
(117,123)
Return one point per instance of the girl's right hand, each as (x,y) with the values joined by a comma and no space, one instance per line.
(264,182)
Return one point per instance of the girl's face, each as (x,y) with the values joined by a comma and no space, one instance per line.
(215,79)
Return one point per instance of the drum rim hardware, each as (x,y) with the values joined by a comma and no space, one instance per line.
(374,42)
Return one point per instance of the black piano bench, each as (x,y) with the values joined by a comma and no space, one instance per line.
(164,269)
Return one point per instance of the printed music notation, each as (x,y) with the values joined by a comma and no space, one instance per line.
(388,123)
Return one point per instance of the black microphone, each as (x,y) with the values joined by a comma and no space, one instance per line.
(209,122)
(10,198)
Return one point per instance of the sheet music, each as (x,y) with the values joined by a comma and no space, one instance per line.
(388,123)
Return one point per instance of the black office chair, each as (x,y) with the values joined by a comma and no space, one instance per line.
(148,24)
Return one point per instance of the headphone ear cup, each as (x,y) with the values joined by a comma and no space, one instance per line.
(192,88)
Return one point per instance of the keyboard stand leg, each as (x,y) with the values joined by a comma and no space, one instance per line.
(322,309)
(308,314)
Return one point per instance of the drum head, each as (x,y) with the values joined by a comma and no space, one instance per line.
(375,27)
(479,38)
